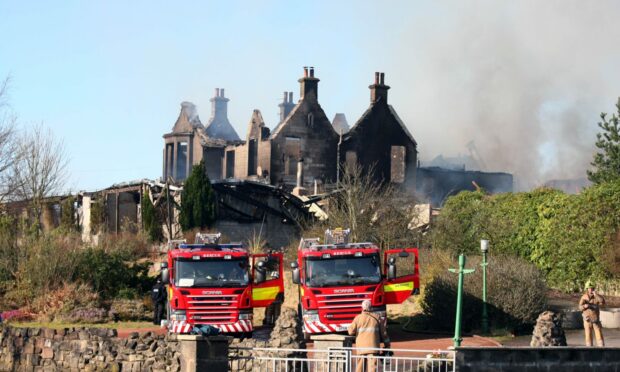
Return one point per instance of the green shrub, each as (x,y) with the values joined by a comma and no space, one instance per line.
(97,216)
(516,294)
(8,248)
(108,272)
(571,238)
(67,214)
(152,224)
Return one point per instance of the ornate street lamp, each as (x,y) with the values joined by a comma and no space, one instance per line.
(484,247)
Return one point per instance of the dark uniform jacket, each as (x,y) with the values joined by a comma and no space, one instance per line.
(158,293)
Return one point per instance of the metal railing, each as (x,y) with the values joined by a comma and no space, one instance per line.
(339,359)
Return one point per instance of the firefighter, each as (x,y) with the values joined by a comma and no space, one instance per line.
(159,297)
(368,331)
(590,304)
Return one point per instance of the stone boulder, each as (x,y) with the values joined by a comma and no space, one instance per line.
(548,331)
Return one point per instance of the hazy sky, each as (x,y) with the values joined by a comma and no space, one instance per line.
(524,80)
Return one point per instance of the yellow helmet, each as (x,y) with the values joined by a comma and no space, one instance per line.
(590,284)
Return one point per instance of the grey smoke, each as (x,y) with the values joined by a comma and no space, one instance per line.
(524,80)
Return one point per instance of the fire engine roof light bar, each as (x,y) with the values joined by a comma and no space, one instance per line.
(217,247)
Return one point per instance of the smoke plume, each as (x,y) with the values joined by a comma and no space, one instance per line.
(526,81)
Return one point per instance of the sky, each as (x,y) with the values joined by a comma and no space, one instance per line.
(526,81)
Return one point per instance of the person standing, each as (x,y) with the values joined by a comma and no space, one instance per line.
(368,331)
(590,304)
(159,297)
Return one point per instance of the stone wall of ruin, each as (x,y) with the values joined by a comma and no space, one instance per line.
(85,349)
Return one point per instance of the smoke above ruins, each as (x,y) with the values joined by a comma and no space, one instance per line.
(525,81)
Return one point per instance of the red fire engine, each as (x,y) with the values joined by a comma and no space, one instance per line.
(219,285)
(335,277)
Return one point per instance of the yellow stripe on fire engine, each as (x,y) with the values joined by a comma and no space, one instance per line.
(398,287)
(169,293)
(267,293)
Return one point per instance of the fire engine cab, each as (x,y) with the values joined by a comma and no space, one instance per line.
(336,276)
(219,284)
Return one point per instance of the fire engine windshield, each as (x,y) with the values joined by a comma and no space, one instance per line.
(211,272)
(342,270)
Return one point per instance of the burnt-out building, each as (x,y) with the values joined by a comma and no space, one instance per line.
(305,136)
(190,141)
(305,149)
(380,141)
(435,185)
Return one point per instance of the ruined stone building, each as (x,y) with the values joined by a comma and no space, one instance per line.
(380,141)
(304,149)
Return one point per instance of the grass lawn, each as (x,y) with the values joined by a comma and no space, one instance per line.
(60,325)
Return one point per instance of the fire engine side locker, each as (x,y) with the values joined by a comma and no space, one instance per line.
(397,290)
(263,294)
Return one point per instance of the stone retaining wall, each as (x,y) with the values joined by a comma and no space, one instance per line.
(529,359)
(85,349)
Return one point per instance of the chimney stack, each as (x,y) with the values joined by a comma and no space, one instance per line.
(379,91)
(309,84)
(290,97)
(219,104)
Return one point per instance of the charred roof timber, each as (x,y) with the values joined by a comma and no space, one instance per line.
(378,90)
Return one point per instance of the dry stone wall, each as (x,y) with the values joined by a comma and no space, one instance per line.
(85,349)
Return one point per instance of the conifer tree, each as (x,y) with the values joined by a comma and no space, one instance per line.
(607,160)
(152,224)
(197,200)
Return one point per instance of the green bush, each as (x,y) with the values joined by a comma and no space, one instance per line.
(68,219)
(516,295)
(108,272)
(152,224)
(571,238)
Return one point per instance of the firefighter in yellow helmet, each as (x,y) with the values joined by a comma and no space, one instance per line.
(369,332)
(590,304)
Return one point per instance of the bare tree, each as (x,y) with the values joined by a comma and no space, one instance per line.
(8,152)
(373,211)
(40,169)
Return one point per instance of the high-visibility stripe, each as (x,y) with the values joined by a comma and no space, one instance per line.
(267,293)
(302,291)
(368,329)
(398,287)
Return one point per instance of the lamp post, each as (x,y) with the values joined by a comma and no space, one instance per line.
(484,247)
(459,298)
